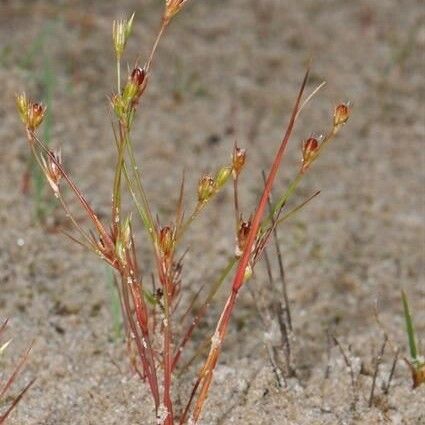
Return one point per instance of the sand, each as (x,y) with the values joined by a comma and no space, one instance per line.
(226,70)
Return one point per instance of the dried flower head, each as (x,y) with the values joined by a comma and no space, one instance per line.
(31,114)
(238,160)
(121,30)
(172,7)
(206,188)
(309,150)
(341,115)
(51,169)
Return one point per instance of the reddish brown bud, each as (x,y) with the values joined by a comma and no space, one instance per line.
(35,115)
(310,150)
(138,76)
(166,240)
(242,236)
(341,115)
(238,160)
(32,114)
(206,188)
(134,88)
(418,374)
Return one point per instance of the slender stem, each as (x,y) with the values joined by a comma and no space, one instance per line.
(199,207)
(116,194)
(239,279)
(164,25)
(95,219)
(167,358)
(118,76)
(147,360)
(236,202)
(203,309)
(139,186)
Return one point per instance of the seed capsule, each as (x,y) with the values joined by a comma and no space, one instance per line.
(31,114)
(166,240)
(309,151)
(242,236)
(341,115)
(138,75)
(134,88)
(206,188)
(238,160)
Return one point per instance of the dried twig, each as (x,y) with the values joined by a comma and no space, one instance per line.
(378,361)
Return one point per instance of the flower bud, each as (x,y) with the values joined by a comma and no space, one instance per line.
(36,115)
(31,114)
(135,86)
(138,76)
(341,115)
(238,160)
(206,188)
(309,151)
(22,104)
(222,176)
(121,30)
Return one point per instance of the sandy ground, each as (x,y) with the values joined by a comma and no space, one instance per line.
(226,69)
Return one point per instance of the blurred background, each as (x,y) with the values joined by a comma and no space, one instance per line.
(226,70)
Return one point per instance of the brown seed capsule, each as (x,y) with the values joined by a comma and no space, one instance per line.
(138,76)
(309,151)
(31,114)
(341,115)
(166,240)
(206,188)
(238,160)
(134,88)
(36,115)
(242,236)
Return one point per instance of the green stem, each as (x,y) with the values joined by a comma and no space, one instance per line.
(119,76)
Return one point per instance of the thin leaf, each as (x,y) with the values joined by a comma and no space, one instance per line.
(409,327)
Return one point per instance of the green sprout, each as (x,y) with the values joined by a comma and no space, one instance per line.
(417,361)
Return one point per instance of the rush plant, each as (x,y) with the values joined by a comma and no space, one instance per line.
(154,320)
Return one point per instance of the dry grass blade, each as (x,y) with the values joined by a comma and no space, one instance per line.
(15,402)
(12,378)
